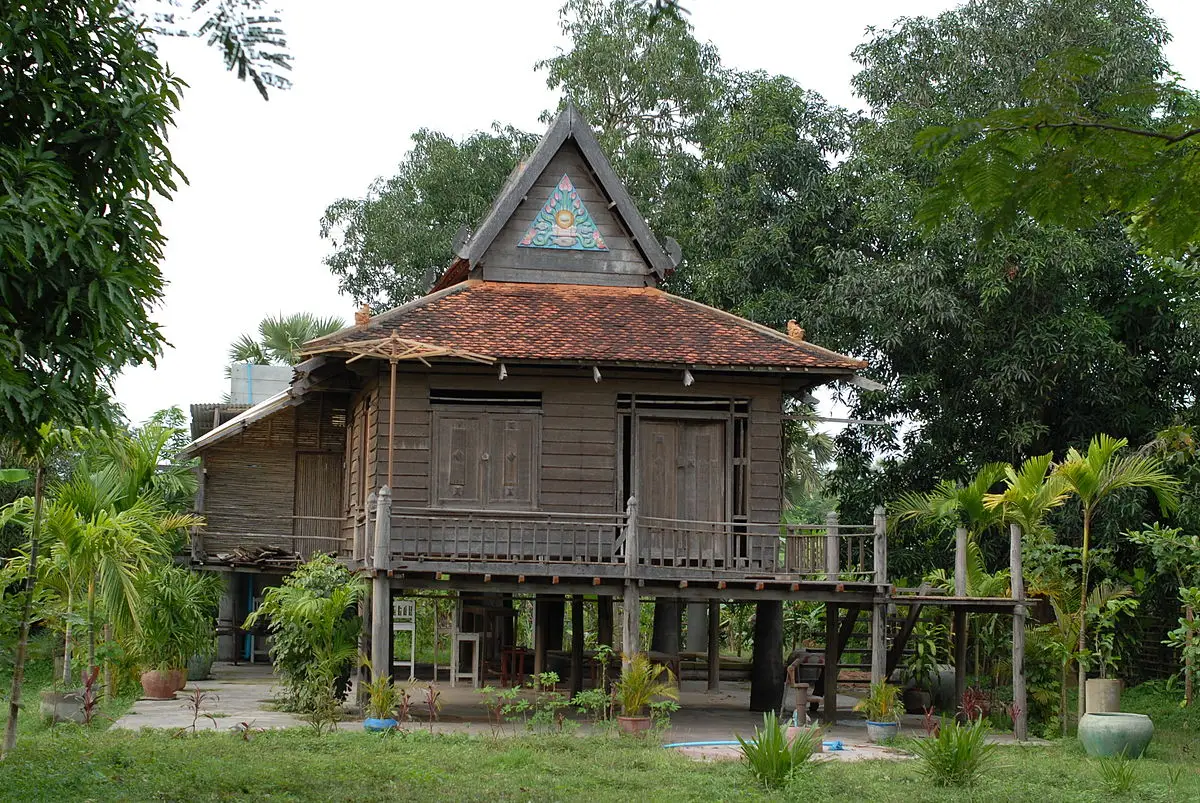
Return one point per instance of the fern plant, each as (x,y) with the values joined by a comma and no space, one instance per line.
(772,759)
(957,756)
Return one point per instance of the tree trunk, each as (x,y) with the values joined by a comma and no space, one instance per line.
(110,679)
(1062,698)
(1081,705)
(18,677)
(67,635)
(91,610)
(1188,681)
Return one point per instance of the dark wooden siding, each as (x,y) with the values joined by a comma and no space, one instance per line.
(579,457)
(621,265)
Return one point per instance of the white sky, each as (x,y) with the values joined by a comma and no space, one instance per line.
(243,235)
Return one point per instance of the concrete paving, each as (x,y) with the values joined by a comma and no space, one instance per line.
(237,694)
(245,694)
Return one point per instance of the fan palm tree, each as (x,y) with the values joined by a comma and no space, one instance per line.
(280,338)
(1094,475)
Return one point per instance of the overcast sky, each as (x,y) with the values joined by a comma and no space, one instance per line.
(244,233)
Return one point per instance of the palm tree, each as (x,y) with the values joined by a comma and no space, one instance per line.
(950,503)
(280,338)
(1092,477)
(1029,494)
(809,452)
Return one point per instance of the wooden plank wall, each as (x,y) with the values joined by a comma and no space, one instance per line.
(250,478)
(579,460)
(622,265)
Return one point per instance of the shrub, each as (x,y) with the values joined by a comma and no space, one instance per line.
(772,760)
(957,756)
(314,631)
(1118,773)
(177,610)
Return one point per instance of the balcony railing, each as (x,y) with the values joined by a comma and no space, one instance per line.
(621,543)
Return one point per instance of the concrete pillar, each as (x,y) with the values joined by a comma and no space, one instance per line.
(667,624)
(697,626)
(767,672)
(1020,698)
(960,654)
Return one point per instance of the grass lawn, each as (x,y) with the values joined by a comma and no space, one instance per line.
(73,763)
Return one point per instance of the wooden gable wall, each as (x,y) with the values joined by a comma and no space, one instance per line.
(622,265)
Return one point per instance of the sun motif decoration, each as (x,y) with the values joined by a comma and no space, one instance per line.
(563,222)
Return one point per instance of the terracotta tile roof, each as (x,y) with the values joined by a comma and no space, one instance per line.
(586,322)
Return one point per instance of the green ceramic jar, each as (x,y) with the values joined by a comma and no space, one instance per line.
(1110,734)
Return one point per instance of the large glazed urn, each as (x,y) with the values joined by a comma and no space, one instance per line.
(1111,734)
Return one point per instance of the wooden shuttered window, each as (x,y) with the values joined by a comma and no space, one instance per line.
(486,459)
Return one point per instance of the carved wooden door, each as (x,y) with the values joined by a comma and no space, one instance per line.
(682,473)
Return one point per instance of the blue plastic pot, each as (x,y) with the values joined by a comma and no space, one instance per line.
(377,725)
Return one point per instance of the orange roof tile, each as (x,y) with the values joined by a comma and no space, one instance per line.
(561,322)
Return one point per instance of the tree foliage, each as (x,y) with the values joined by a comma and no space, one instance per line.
(389,246)
(85,108)
(1024,343)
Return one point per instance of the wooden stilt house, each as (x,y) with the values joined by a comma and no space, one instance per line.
(548,423)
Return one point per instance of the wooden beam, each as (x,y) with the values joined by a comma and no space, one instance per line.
(901,641)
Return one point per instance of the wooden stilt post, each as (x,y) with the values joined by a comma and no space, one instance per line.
(666,625)
(1016,573)
(714,645)
(576,644)
(960,654)
(604,621)
(391,478)
(879,608)
(555,609)
(960,562)
(829,692)
(381,591)
(697,626)
(539,635)
(832,547)
(631,613)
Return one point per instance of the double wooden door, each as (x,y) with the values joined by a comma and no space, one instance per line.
(683,471)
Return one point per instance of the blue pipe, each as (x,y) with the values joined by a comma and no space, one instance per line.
(833,745)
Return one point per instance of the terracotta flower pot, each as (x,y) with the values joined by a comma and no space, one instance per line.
(158,685)
(793,732)
(634,725)
(179,677)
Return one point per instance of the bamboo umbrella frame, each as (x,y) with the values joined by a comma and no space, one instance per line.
(394,348)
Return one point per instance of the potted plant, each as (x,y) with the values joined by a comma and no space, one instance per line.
(382,699)
(176,607)
(882,707)
(921,667)
(639,684)
(1108,604)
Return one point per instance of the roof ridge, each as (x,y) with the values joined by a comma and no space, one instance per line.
(803,345)
(387,315)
